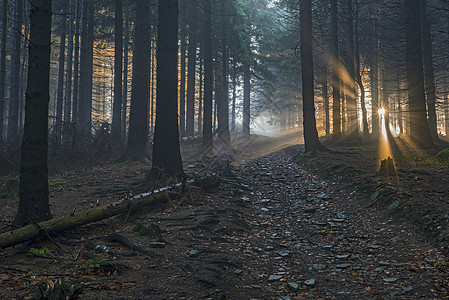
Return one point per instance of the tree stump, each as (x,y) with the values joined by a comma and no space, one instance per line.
(387,168)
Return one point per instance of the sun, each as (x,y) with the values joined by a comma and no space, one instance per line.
(381,112)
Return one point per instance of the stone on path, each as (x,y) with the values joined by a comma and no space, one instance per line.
(310,282)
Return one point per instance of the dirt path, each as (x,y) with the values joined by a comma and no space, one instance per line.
(271,231)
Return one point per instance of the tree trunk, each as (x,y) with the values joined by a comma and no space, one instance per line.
(191,74)
(246,98)
(166,152)
(182,92)
(138,119)
(76,64)
(311,141)
(351,100)
(428,72)
(336,111)
(61,224)
(200,98)
(375,81)
(68,81)
(33,195)
(208,78)
(83,105)
(419,126)
(16,38)
(118,66)
(326,101)
(3,66)
(125,79)
(60,96)
(23,69)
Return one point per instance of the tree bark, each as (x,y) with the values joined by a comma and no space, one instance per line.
(16,38)
(138,119)
(166,151)
(61,63)
(3,65)
(336,102)
(208,78)
(33,195)
(311,141)
(351,100)
(182,96)
(118,66)
(375,80)
(76,64)
(125,79)
(83,105)
(419,126)
(68,81)
(429,76)
(61,224)
(191,72)
(246,98)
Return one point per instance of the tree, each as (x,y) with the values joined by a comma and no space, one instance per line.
(311,141)
(125,79)
(76,63)
(118,58)
(138,119)
(182,91)
(208,78)
(13,112)
(191,74)
(351,91)
(166,152)
(419,127)
(33,201)
(60,96)
(3,65)
(336,111)
(68,84)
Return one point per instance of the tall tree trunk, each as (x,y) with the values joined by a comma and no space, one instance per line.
(200,98)
(358,75)
(23,68)
(375,80)
(246,98)
(118,58)
(182,92)
(90,48)
(125,79)
(351,100)
(60,96)
(326,101)
(33,196)
(3,66)
(68,81)
(428,72)
(83,105)
(311,141)
(138,121)
(76,63)
(13,111)
(419,126)
(336,111)
(234,95)
(208,77)
(191,74)
(223,103)
(166,152)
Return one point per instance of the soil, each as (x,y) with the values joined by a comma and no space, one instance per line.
(281,225)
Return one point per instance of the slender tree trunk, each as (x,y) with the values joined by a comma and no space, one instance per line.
(33,196)
(208,78)
(23,68)
(326,102)
(419,126)
(83,105)
(13,111)
(358,74)
(311,141)
(351,100)
(191,74)
(182,96)
(166,151)
(3,66)
(336,111)
(60,96)
(125,79)
(138,119)
(68,81)
(76,63)
(90,48)
(375,81)
(234,96)
(246,98)
(446,115)
(428,72)
(200,99)
(118,58)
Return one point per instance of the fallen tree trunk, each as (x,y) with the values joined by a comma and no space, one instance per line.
(61,224)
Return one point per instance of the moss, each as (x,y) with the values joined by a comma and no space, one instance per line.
(10,190)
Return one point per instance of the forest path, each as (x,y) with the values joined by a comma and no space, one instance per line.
(315,240)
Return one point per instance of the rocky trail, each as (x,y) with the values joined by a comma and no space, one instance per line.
(271,230)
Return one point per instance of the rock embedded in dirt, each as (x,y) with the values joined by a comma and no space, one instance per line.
(157,245)
(293,286)
(343,266)
(238,271)
(310,282)
(274,277)
(390,279)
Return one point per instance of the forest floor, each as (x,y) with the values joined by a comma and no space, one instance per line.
(281,225)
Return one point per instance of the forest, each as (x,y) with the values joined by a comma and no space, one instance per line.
(224,149)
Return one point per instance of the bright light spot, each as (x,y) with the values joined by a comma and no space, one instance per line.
(381,112)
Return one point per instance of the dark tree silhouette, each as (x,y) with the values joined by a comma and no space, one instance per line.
(311,140)
(208,78)
(33,203)
(3,65)
(336,111)
(191,74)
(138,119)
(118,57)
(166,152)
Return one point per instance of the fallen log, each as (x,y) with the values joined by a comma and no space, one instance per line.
(63,223)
